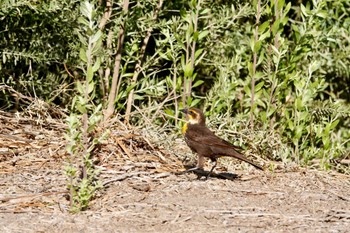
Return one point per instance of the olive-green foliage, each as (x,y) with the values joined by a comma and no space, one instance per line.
(301,95)
(36,40)
(297,59)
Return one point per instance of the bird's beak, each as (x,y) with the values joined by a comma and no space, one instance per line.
(184,110)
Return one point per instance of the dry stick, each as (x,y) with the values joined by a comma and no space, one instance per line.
(109,60)
(254,67)
(4,199)
(69,73)
(118,56)
(139,63)
(263,214)
(106,16)
(123,177)
(175,96)
(277,16)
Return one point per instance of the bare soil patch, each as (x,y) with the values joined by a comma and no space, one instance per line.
(144,193)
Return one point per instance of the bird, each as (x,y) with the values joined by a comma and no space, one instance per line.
(205,143)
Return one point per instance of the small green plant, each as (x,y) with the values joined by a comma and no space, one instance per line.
(85,115)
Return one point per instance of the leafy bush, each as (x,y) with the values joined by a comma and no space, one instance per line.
(276,72)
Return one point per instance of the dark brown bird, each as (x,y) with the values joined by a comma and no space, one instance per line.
(205,143)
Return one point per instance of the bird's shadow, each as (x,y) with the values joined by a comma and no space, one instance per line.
(202,173)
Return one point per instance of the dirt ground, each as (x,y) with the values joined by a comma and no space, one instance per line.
(143,192)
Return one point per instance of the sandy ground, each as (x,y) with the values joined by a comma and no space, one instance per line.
(307,201)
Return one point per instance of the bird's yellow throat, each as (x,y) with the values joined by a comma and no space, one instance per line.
(184,129)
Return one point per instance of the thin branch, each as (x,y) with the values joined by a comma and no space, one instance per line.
(106,15)
(118,57)
(175,96)
(139,63)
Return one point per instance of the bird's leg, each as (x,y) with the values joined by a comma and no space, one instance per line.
(212,169)
(199,166)
(200,162)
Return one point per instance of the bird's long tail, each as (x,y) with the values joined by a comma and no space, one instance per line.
(238,155)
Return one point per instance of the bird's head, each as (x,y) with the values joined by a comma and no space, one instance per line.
(194,116)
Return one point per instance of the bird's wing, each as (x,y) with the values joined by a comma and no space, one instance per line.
(205,136)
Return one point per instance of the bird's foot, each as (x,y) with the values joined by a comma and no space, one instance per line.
(200,172)
(194,169)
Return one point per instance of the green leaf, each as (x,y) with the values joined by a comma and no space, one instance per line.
(205,11)
(263,116)
(189,33)
(257,46)
(275,27)
(264,35)
(82,55)
(250,69)
(91,87)
(183,13)
(194,102)
(299,104)
(198,83)
(80,88)
(280,4)
(81,38)
(130,87)
(195,36)
(263,27)
(259,86)
(260,60)
(247,90)
(89,74)
(284,20)
(188,71)
(83,21)
(314,66)
(97,46)
(81,108)
(304,10)
(96,65)
(96,37)
(278,54)
(163,55)
(202,35)
(334,124)
(198,53)
(252,43)
(86,9)
(287,9)
(298,131)
(322,14)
